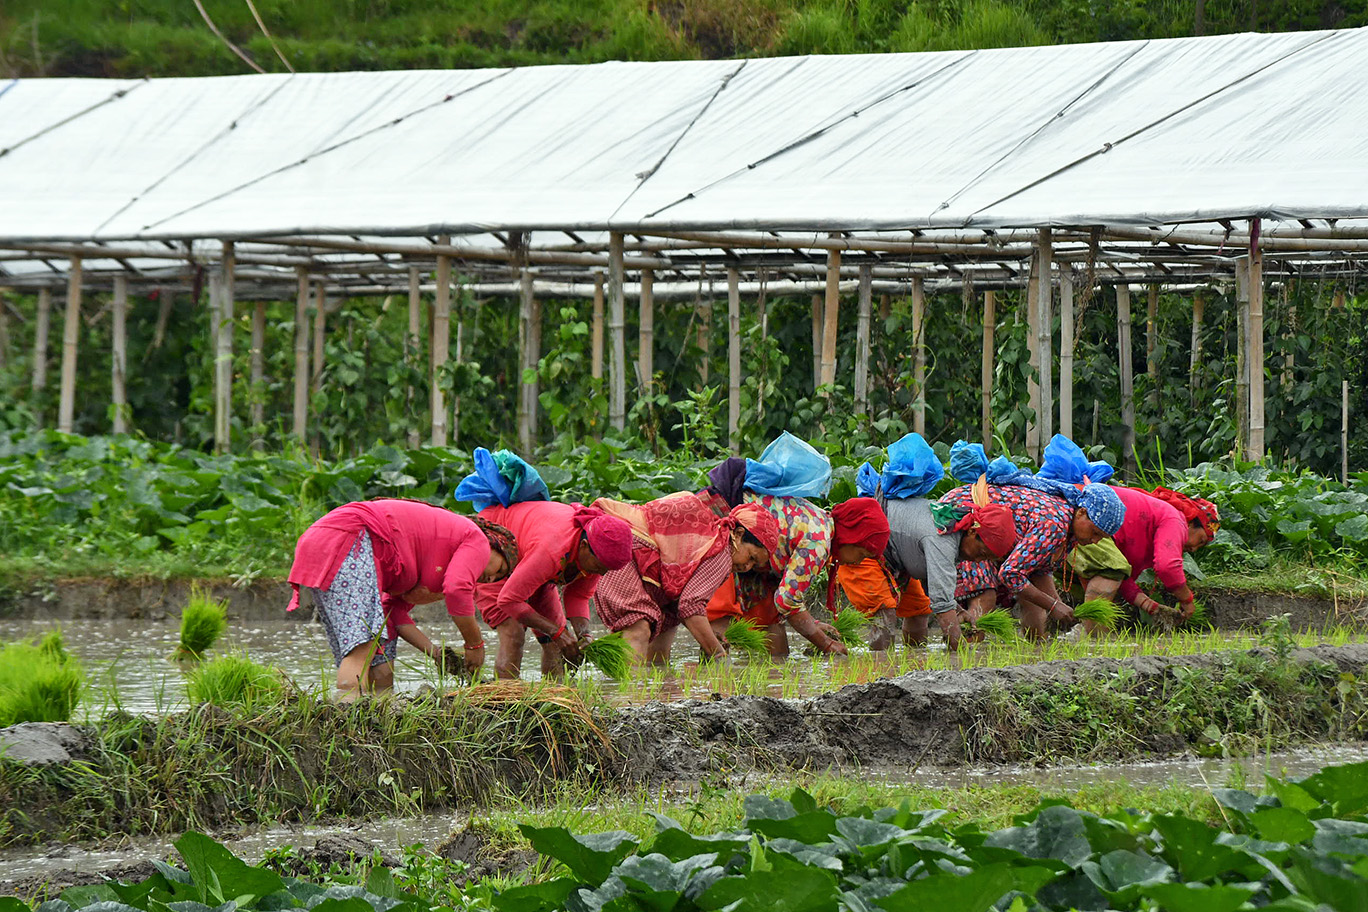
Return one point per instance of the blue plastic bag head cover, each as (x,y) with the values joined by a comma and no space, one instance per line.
(866,481)
(912,469)
(484,487)
(967,461)
(1103,507)
(1100,471)
(789,467)
(1063,461)
(524,482)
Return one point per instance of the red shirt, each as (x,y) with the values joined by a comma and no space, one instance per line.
(548,543)
(415,544)
(1151,536)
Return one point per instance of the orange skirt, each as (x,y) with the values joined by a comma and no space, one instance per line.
(870,588)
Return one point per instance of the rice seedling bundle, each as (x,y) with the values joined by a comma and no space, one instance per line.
(850,624)
(997,623)
(611,655)
(202,622)
(1102,612)
(745,636)
(1201,618)
(53,644)
(234,680)
(39,683)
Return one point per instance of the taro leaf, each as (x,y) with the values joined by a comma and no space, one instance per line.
(1107,835)
(976,891)
(813,828)
(1191,847)
(1344,787)
(1292,795)
(1354,529)
(1282,824)
(13,904)
(538,897)
(819,856)
(1236,800)
(1294,531)
(1178,897)
(763,807)
(192,906)
(656,883)
(678,844)
(802,802)
(350,904)
(664,822)
(77,897)
(1330,882)
(590,858)
(786,887)
(111,906)
(1122,874)
(137,894)
(1073,890)
(381,883)
(219,875)
(1057,832)
(1333,837)
(52,905)
(861,834)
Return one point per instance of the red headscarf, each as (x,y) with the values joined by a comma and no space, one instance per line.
(610,538)
(1194,509)
(859,521)
(994,523)
(759,522)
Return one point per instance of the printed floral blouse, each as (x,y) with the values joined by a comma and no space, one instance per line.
(804,548)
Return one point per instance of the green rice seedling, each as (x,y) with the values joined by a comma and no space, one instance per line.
(998,623)
(611,655)
(850,624)
(234,680)
(744,636)
(37,684)
(203,621)
(53,644)
(1201,618)
(1102,612)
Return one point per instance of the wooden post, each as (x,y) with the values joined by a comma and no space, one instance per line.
(1045,327)
(301,352)
(529,345)
(119,354)
(1152,346)
(1033,351)
(833,312)
(596,330)
(646,331)
(4,333)
(258,409)
(617,333)
(441,344)
(319,329)
(1256,348)
(703,317)
(411,343)
(223,362)
(989,353)
(862,341)
(460,359)
(1344,431)
(71,338)
(1123,346)
(816,341)
(1066,351)
(1195,360)
(1241,357)
(41,325)
(918,355)
(734,360)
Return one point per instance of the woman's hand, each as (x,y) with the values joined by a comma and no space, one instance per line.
(569,644)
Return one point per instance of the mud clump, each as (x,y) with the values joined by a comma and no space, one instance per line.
(486,854)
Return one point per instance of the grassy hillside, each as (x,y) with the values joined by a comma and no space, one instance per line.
(170,38)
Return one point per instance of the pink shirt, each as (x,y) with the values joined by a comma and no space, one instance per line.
(548,540)
(1151,536)
(415,544)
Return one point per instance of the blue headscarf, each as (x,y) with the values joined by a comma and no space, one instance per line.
(1103,507)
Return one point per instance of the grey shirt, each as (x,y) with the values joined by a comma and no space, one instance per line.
(918,550)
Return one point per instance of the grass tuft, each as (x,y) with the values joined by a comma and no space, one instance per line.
(39,683)
(744,636)
(611,655)
(1102,612)
(203,621)
(998,623)
(850,624)
(234,680)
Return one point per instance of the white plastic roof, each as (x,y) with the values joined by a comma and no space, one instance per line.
(1143,133)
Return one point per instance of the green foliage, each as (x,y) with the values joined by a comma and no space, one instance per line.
(39,683)
(744,636)
(611,655)
(1101,611)
(234,681)
(203,620)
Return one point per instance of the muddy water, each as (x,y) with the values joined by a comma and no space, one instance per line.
(391,834)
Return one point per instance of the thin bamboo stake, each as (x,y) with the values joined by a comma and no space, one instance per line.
(1033,350)
(4,333)
(258,408)
(530,348)
(1256,348)
(460,359)
(411,347)
(118,368)
(166,302)
(1045,327)
(1198,310)
(1066,351)
(833,313)
(1152,346)
(734,360)
(704,338)
(1242,357)
(320,321)
(1344,431)
(919,356)
(989,355)
(441,345)
(1123,347)
(301,353)
(42,324)
(862,341)
(223,363)
(816,341)
(596,330)
(617,333)
(646,332)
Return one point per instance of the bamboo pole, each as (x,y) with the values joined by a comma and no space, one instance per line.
(1045,327)
(42,324)
(617,333)
(460,359)
(1344,431)
(1152,346)
(529,345)
(1195,360)
(258,409)
(734,360)
(301,353)
(1123,347)
(223,362)
(4,332)
(989,355)
(833,313)
(596,331)
(919,356)
(320,322)
(1241,357)
(441,345)
(1033,350)
(816,341)
(646,331)
(1256,348)
(411,346)
(704,339)
(1066,351)
(71,330)
(118,367)
(866,300)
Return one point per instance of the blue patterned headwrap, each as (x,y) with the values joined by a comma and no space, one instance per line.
(1103,507)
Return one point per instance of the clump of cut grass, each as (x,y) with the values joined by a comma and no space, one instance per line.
(203,621)
(39,683)
(1102,612)
(745,636)
(611,655)
(997,623)
(234,680)
(850,624)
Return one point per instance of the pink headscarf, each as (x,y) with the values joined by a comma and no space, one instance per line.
(759,522)
(610,538)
